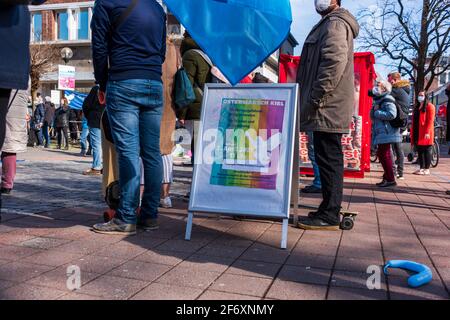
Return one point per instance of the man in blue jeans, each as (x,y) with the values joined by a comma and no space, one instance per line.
(316,186)
(129,47)
(93,111)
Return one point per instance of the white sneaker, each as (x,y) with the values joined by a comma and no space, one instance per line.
(419,172)
(426,172)
(166,203)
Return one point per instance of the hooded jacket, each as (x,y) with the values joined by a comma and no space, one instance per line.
(326,74)
(400,92)
(382,131)
(199,73)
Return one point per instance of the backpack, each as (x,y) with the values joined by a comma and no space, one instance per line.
(184,93)
(401,120)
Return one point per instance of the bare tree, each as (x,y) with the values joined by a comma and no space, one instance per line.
(43,57)
(413,34)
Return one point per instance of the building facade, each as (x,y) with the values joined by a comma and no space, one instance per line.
(66,24)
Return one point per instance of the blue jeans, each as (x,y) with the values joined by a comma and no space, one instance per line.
(83,139)
(134,109)
(45,129)
(96,143)
(312,157)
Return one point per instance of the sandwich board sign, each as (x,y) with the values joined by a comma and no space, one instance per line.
(244,151)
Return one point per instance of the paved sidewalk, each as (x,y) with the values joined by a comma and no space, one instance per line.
(47,217)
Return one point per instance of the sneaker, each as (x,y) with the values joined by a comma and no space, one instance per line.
(387,184)
(166,203)
(92,172)
(115,226)
(316,224)
(426,172)
(400,177)
(149,224)
(419,172)
(83,153)
(312,214)
(311,189)
(5,190)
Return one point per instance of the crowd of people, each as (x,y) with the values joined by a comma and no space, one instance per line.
(129,115)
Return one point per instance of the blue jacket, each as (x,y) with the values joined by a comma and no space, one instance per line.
(136,50)
(382,131)
(15,41)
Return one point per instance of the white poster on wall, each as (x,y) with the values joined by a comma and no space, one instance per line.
(55,96)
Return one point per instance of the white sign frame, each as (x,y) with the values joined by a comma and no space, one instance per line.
(287,162)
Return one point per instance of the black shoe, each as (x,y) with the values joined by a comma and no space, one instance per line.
(387,184)
(89,153)
(5,190)
(316,224)
(312,214)
(311,189)
(380,183)
(447,192)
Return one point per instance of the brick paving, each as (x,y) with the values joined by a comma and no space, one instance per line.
(46,223)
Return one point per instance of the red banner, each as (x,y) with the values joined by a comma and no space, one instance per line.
(356,144)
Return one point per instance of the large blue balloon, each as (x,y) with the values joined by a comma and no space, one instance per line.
(238,35)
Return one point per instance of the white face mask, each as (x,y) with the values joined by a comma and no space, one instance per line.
(421,99)
(376,91)
(322,5)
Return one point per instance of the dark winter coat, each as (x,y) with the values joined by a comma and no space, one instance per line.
(400,92)
(15,41)
(49,112)
(62,117)
(199,73)
(326,74)
(38,116)
(92,109)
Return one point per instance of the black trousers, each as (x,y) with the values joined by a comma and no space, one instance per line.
(59,132)
(400,157)
(424,156)
(330,159)
(4,102)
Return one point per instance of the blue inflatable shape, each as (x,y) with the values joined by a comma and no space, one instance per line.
(237,35)
(423,276)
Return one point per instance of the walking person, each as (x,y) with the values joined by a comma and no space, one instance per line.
(130,73)
(15,138)
(93,111)
(384,134)
(62,123)
(73,125)
(400,92)
(84,141)
(422,132)
(49,117)
(326,78)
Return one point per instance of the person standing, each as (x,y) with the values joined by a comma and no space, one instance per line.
(326,78)
(422,132)
(316,186)
(62,123)
(38,121)
(447,92)
(199,73)
(16,138)
(384,135)
(49,116)
(92,111)
(129,48)
(400,92)
(84,136)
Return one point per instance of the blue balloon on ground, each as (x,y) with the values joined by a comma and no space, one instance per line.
(423,273)
(237,35)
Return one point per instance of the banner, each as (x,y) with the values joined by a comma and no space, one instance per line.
(356,144)
(66,78)
(244,150)
(75,99)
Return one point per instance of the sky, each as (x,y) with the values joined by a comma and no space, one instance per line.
(305,17)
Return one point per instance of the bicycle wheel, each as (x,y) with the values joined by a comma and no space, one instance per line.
(435,155)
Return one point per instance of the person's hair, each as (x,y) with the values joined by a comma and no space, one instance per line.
(425,102)
(66,102)
(395,75)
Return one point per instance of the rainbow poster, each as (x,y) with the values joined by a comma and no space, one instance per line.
(251,131)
